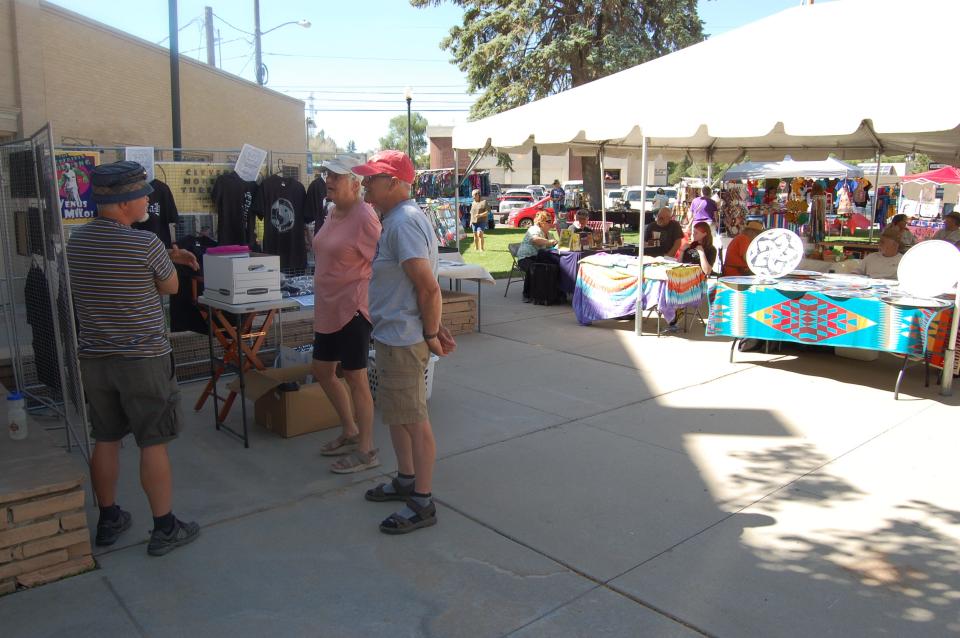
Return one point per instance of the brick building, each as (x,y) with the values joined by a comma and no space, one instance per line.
(47,74)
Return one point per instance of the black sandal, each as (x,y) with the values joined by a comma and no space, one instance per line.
(423,517)
(399,493)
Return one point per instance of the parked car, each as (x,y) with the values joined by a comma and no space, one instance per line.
(632,196)
(538,191)
(493,199)
(523,217)
(511,200)
(612,196)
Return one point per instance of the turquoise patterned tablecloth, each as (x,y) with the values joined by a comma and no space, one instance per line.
(765,312)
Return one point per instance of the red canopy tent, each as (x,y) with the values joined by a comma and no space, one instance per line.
(945,175)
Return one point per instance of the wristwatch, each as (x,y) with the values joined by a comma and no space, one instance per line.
(428,337)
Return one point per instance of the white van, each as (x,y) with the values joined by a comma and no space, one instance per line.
(631,196)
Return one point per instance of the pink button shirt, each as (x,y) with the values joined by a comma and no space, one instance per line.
(344,249)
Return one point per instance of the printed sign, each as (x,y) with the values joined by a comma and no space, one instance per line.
(191,184)
(250,162)
(914,208)
(73,184)
(142,155)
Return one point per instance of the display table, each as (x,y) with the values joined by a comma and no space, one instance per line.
(241,346)
(606,288)
(815,316)
(849,266)
(453,267)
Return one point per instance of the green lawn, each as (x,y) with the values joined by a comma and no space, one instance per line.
(496,258)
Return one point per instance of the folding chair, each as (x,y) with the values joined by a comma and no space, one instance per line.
(513,248)
(686,288)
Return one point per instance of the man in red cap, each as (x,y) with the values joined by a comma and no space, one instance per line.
(405,307)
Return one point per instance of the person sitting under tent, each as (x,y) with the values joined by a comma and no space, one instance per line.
(883,263)
(907,239)
(735,259)
(951,228)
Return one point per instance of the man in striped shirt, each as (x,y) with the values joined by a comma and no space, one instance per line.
(117,275)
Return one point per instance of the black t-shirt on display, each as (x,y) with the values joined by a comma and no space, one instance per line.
(162,210)
(233,197)
(315,209)
(279,202)
(665,236)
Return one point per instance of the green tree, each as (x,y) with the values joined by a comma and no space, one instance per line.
(396,137)
(351,146)
(517,51)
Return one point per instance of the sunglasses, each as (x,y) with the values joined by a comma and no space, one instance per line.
(367,180)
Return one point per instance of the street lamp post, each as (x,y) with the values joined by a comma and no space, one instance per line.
(408,96)
(257,34)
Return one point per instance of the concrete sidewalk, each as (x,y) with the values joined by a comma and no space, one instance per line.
(590,483)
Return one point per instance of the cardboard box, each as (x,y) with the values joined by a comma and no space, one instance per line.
(292,413)
(242,279)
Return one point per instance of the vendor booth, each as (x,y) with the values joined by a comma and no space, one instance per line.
(763,128)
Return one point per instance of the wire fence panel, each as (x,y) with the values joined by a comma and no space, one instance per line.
(38,315)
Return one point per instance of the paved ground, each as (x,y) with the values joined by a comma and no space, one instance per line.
(590,484)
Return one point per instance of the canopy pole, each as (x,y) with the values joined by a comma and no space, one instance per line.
(456,196)
(876,197)
(603,199)
(638,317)
(950,355)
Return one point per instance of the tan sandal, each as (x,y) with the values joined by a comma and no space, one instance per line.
(340,445)
(356,461)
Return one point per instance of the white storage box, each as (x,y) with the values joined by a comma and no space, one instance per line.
(242,279)
(375,381)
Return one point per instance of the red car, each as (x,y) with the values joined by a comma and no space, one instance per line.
(523,217)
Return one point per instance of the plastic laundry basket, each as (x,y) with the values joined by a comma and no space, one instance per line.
(375,380)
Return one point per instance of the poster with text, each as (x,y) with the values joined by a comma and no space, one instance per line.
(191,183)
(73,182)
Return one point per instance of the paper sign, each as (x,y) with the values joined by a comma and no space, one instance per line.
(142,155)
(249,163)
(566,235)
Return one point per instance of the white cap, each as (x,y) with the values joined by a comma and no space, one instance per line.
(340,165)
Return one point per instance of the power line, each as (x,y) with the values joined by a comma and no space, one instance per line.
(343,57)
(397,110)
(333,99)
(194,21)
(377,86)
(461,93)
(230,25)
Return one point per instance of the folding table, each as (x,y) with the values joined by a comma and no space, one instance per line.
(241,342)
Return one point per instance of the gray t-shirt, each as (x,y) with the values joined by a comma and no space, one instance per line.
(407,234)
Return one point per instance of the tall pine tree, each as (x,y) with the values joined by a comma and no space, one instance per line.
(517,51)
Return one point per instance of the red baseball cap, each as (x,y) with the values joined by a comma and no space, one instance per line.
(392,163)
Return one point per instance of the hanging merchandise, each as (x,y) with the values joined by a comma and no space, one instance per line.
(436,183)
(232,197)
(279,202)
(845,203)
(162,209)
(315,207)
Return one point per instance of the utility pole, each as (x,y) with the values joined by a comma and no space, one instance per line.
(208,28)
(258,54)
(174,77)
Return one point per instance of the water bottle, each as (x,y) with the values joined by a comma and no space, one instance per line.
(16,416)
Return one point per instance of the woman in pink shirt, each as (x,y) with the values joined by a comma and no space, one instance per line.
(344,249)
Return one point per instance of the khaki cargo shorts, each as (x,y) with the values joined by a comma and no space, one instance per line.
(138,396)
(401,387)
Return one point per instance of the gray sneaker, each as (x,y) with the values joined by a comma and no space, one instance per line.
(181,534)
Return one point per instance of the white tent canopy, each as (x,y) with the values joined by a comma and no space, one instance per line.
(823,169)
(781,89)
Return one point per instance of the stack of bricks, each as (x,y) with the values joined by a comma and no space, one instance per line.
(43,535)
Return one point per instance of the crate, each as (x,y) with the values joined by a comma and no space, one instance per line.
(374,379)
(459,313)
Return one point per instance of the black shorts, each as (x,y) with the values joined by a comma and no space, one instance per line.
(350,345)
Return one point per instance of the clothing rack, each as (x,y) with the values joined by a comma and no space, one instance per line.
(440,182)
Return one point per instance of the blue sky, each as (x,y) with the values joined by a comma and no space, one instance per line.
(356,57)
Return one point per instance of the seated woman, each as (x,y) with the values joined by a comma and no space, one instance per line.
(536,239)
(700,251)
(906,239)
